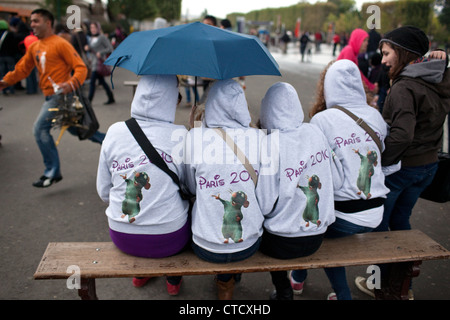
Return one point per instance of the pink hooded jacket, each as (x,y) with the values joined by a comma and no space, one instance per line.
(351,51)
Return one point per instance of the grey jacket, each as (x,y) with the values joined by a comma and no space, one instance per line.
(100,44)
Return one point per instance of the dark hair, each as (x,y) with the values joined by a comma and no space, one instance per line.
(212,18)
(60,27)
(46,14)
(404,57)
(226,23)
(376,59)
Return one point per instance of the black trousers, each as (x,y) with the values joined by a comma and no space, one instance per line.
(287,248)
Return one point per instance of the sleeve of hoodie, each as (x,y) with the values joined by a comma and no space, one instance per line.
(268,187)
(104,183)
(400,115)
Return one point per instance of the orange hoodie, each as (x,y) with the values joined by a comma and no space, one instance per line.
(54,57)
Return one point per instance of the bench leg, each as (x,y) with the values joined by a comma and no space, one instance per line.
(87,290)
(396,282)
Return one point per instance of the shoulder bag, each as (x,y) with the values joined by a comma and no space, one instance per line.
(88,122)
(154,156)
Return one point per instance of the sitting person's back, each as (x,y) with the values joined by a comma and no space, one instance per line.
(146,214)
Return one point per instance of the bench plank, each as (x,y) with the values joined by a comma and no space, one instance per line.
(104,260)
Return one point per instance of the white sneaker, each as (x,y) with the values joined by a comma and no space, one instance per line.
(332,296)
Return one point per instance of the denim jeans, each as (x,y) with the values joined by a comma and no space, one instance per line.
(44,139)
(337,276)
(225,257)
(405,188)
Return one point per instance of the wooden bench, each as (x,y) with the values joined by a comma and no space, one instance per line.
(131,84)
(406,249)
(134,83)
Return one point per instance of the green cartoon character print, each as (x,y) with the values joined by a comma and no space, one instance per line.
(133,194)
(311,212)
(366,171)
(232,217)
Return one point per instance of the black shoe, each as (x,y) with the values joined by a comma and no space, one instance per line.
(45,182)
(110,101)
(285,295)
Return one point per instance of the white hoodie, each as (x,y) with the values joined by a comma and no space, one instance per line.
(144,208)
(226,217)
(352,145)
(296,198)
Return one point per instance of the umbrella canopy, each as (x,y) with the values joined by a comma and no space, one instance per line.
(194,49)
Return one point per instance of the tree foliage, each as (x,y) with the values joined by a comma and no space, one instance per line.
(345,17)
(146,9)
(444,17)
(58,7)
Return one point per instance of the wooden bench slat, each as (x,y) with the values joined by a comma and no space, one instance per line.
(104,260)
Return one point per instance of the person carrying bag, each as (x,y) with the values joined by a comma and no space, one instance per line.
(99,47)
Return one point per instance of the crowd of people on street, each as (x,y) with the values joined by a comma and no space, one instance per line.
(325,179)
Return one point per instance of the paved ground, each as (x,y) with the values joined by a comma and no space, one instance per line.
(71,210)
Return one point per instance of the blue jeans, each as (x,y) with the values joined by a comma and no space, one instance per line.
(405,188)
(44,139)
(225,257)
(337,276)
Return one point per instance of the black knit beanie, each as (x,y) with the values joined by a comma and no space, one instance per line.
(409,38)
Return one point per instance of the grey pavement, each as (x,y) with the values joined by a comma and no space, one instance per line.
(72,211)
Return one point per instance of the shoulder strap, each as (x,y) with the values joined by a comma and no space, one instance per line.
(241,156)
(363,125)
(149,150)
(3,37)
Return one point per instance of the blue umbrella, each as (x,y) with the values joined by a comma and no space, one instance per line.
(194,49)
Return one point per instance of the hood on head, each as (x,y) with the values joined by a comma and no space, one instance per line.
(343,85)
(156,98)
(356,39)
(226,106)
(281,108)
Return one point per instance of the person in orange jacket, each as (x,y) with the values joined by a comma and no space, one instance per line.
(61,70)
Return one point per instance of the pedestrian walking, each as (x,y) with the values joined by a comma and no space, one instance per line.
(57,63)
(357,44)
(304,40)
(100,47)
